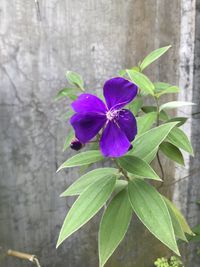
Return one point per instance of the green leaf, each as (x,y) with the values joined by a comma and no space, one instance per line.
(120,185)
(68,114)
(145,122)
(82,159)
(150,140)
(163,115)
(179,216)
(151,155)
(114,225)
(178,138)
(175,104)
(175,222)
(68,139)
(75,79)
(181,120)
(122,73)
(86,206)
(87,179)
(153,56)
(135,105)
(141,81)
(152,211)
(165,88)
(66,92)
(138,167)
(172,152)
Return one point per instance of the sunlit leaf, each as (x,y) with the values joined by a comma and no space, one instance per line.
(145,122)
(153,56)
(141,81)
(75,79)
(66,92)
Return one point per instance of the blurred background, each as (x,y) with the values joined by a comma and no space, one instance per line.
(40,41)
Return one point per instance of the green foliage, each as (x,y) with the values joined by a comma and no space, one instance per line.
(173,261)
(114,225)
(75,79)
(142,81)
(153,56)
(124,190)
(151,209)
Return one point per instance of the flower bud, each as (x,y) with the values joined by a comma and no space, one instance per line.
(76,144)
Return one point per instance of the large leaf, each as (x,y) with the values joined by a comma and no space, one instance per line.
(75,79)
(114,225)
(83,158)
(175,222)
(87,179)
(152,211)
(172,152)
(184,225)
(178,138)
(145,122)
(68,139)
(138,167)
(86,206)
(151,156)
(150,140)
(141,81)
(175,104)
(153,56)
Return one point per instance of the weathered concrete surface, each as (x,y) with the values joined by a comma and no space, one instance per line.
(95,38)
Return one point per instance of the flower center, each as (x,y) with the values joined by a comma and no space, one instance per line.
(111,114)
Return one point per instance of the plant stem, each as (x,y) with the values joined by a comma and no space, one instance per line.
(157,155)
(121,169)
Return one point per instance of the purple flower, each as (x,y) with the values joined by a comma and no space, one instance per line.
(118,124)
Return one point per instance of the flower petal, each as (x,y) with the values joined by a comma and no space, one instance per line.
(87,125)
(127,123)
(114,142)
(118,92)
(88,103)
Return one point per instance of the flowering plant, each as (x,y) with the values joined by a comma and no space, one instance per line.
(132,135)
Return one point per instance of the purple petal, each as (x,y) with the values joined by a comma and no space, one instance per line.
(88,103)
(87,125)
(118,92)
(127,123)
(114,142)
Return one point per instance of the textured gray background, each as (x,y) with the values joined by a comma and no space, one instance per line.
(96,39)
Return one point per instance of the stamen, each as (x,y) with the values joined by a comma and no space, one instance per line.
(111,114)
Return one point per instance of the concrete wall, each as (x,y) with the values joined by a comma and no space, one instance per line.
(96,39)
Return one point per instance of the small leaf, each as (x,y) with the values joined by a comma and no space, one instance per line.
(178,138)
(135,105)
(175,222)
(163,115)
(153,56)
(75,79)
(68,139)
(165,88)
(175,104)
(181,120)
(122,73)
(144,144)
(141,81)
(172,152)
(145,122)
(69,92)
(86,206)
(138,167)
(87,179)
(179,216)
(152,211)
(82,159)
(114,225)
